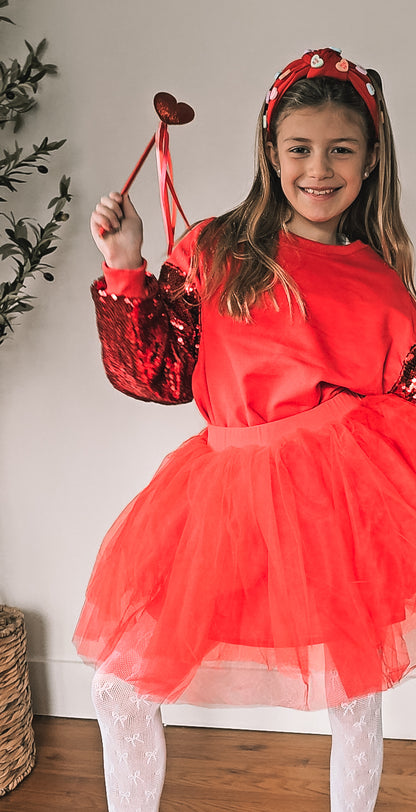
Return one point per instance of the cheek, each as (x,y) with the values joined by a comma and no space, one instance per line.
(360,168)
(288,170)
(288,188)
(289,179)
(358,178)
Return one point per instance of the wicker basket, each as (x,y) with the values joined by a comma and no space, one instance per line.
(17,745)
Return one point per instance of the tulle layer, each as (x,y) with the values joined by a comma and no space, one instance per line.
(279,573)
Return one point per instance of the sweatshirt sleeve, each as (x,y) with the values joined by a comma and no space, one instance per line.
(149,333)
(405,386)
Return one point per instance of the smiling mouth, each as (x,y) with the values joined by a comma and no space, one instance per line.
(319,192)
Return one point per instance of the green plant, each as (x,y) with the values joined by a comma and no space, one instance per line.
(28,243)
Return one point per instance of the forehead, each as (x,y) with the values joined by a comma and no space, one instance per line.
(334,120)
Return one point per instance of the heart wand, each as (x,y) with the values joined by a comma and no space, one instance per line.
(170,111)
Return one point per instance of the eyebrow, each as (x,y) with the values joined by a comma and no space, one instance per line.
(332,141)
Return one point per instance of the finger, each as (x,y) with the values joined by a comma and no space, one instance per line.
(116,196)
(100,224)
(109,203)
(114,217)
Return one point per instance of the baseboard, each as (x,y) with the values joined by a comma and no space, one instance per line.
(62,688)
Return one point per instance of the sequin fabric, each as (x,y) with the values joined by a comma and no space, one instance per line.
(150,346)
(405,386)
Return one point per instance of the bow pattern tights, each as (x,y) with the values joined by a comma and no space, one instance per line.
(135,754)
(356,754)
(133,745)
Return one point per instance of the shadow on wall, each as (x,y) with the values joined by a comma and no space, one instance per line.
(38,671)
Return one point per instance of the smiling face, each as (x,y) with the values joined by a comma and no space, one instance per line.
(322,155)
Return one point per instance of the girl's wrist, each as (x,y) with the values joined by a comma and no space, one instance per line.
(127,263)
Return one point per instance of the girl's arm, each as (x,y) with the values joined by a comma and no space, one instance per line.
(149,335)
(405,386)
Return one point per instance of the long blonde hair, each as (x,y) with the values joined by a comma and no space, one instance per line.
(235,253)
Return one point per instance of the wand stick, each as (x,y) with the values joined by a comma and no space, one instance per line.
(138,166)
(170,112)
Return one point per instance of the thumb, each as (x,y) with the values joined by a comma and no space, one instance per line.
(128,207)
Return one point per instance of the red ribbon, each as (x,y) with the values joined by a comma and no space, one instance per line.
(165,173)
(168,197)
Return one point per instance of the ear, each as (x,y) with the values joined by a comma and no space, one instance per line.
(272,154)
(373,158)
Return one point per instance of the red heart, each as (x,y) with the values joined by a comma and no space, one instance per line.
(171,111)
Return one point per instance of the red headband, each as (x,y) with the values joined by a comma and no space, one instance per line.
(324,62)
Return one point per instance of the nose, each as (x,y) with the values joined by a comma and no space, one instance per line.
(319,165)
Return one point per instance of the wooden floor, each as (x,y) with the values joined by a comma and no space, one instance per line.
(208,771)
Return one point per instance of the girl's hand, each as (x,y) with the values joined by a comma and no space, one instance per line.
(118,231)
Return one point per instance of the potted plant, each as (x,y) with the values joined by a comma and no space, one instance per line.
(25,249)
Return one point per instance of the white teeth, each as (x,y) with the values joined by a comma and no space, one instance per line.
(318,191)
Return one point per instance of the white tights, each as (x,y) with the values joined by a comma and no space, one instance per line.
(135,753)
(356,754)
(134,747)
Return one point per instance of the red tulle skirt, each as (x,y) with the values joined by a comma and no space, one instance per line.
(270,565)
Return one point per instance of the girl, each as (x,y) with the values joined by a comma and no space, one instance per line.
(272,559)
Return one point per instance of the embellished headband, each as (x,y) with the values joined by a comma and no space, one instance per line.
(324,62)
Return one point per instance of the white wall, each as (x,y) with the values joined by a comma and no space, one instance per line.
(73,450)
